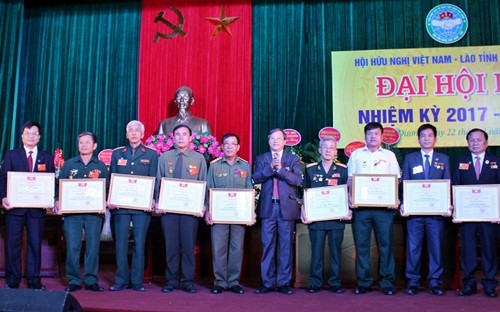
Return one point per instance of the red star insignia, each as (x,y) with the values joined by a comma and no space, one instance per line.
(222,23)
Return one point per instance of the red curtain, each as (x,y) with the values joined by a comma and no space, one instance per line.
(217,69)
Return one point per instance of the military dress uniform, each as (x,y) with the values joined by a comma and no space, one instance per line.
(228,239)
(316,176)
(75,168)
(180,230)
(142,161)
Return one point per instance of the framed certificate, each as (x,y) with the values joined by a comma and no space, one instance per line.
(426,197)
(182,196)
(30,189)
(476,203)
(232,206)
(131,191)
(326,203)
(82,196)
(374,190)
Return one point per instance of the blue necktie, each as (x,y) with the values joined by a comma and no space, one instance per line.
(427,167)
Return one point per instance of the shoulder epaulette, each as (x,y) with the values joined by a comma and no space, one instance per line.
(340,165)
(244,160)
(215,160)
(151,148)
(312,164)
(120,147)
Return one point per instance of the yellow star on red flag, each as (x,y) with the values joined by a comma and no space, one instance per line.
(222,23)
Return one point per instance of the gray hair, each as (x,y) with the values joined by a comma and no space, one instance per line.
(135,123)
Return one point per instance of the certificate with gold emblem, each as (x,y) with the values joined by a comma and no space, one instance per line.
(30,189)
(232,206)
(182,196)
(476,203)
(82,196)
(375,190)
(326,203)
(426,197)
(131,191)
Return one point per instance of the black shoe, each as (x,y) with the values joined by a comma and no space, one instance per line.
(361,290)
(72,288)
(236,289)
(336,289)
(217,289)
(437,291)
(412,290)
(190,289)
(11,286)
(313,289)
(36,286)
(94,287)
(285,290)
(168,289)
(467,291)
(490,292)
(118,287)
(264,290)
(389,291)
(138,287)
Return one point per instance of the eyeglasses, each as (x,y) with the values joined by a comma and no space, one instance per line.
(230,144)
(328,148)
(30,134)
(276,139)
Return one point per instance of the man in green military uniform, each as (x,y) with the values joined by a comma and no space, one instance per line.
(133,159)
(325,173)
(229,171)
(83,166)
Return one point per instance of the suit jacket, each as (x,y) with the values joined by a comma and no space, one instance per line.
(413,167)
(289,177)
(15,160)
(464,173)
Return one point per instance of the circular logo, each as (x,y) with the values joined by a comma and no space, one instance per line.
(446,23)
(293,137)
(390,136)
(329,131)
(351,147)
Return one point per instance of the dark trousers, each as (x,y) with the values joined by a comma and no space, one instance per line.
(317,238)
(416,228)
(468,252)
(276,265)
(180,236)
(140,224)
(380,220)
(14,225)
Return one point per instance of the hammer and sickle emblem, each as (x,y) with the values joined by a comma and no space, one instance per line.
(175,29)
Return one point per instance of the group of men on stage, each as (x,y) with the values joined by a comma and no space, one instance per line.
(280,175)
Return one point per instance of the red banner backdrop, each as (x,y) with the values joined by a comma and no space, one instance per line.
(217,67)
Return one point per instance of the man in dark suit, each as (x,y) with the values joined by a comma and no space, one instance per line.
(328,172)
(425,164)
(25,159)
(478,168)
(133,159)
(280,173)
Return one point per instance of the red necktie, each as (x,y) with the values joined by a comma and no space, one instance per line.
(477,167)
(30,161)
(276,193)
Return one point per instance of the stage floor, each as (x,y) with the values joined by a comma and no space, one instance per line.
(154,300)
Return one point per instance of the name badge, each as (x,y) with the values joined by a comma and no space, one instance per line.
(463,166)
(333,181)
(417,169)
(41,167)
